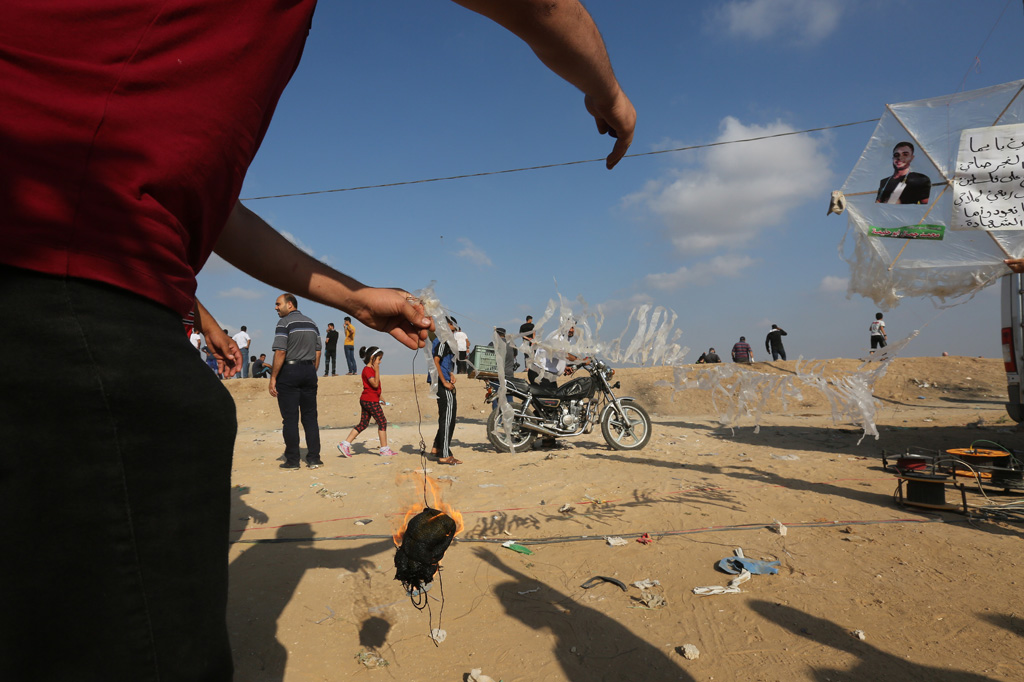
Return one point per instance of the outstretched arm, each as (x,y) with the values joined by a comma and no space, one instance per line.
(562,34)
(247,239)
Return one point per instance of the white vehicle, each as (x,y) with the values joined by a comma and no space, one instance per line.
(1013,343)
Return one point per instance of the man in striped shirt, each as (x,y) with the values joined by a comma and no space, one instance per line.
(293,380)
(742,352)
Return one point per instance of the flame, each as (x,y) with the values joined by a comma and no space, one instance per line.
(434,501)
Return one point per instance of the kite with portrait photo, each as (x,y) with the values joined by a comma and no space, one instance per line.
(936,200)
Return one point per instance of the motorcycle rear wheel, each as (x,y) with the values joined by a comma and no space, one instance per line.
(622,436)
(522,438)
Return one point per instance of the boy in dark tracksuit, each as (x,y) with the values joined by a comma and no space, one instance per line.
(447,405)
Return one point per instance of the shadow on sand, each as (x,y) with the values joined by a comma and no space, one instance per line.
(872,663)
(263,580)
(589,646)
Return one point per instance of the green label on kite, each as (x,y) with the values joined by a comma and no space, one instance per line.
(930,232)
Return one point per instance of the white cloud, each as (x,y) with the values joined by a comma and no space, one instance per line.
(831,285)
(241,292)
(473,253)
(806,21)
(700,274)
(739,189)
(615,306)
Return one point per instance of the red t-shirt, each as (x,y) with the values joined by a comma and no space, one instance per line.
(369,392)
(126,129)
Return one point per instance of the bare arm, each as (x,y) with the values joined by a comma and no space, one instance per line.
(247,238)
(279,356)
(563,36)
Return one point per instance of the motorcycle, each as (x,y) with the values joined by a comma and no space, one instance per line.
(571,409)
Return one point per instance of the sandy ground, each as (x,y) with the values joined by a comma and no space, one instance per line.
(936,597)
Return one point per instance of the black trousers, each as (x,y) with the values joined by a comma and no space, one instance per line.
(447,407)
(331,361)
(296,396)
(114,491)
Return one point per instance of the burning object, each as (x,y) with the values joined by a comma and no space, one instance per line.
(424,542)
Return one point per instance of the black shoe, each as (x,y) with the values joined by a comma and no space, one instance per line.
(312,463)
(290,465)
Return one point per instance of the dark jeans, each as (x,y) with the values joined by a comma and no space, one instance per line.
(447,408)
(331,358)
(296,394)
(350,358)
(778,353)
(114,492)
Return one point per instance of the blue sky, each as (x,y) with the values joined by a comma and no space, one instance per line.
(731,238)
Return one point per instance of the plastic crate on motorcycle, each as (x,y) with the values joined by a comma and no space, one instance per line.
(483,363)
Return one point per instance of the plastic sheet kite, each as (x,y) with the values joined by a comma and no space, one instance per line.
(936,200)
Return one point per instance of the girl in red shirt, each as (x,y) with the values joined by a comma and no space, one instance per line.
(369,402)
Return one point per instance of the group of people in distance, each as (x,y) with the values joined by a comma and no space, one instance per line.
(743,353)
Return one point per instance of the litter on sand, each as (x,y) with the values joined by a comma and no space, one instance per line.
(735,565)
(732,588)
(516,547)
(371,660)
(649,600)
(615,542)
(477,675)
(645,539)
(646,584)
(438,635)
(598,579)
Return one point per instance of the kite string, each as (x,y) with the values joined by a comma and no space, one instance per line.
(423,468)
(557,165)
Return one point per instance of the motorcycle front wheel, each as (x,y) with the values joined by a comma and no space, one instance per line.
(522,438)
(632,434)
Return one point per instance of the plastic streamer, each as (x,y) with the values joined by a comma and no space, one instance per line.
(738,392)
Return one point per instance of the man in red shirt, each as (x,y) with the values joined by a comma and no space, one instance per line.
(127,127)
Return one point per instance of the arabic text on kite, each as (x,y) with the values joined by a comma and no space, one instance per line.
(988,187)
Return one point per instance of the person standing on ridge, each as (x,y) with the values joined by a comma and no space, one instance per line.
(773,343)
(331,351)
(243,340)
(877,331)
(350,346)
